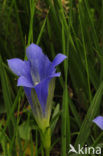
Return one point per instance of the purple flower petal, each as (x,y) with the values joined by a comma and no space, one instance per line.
(28,95)
(57,60)
(23,81)
(39,62)
(42,90)
(22,69)
(99,121)
(18,66)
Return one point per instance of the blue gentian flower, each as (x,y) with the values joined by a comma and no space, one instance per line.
(37,75)
(99,121)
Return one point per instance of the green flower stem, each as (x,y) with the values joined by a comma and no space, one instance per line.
(47,152)
(46,140)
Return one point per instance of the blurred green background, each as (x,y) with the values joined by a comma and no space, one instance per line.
(72,27)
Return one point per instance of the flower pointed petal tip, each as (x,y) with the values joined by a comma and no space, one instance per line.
(58,59)
(56,75)
(99,122)
(33,50)
(11,63)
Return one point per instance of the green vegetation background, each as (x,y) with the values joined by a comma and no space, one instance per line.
(72,27)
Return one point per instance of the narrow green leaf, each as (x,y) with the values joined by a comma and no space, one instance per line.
(87,123)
